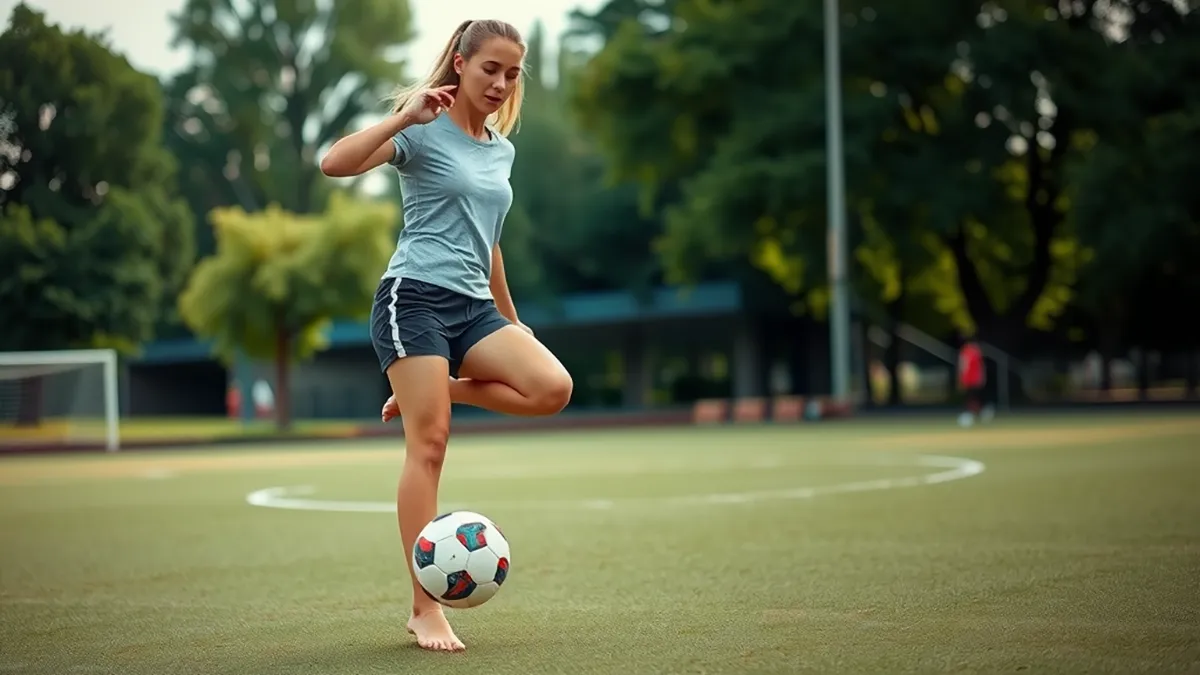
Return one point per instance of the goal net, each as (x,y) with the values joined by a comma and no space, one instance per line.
(59,399)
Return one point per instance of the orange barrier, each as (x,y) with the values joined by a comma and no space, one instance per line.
(787,409)
(779,409)
(749,410)
(832,409)
(710,411)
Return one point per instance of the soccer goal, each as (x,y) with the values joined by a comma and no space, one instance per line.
(57,399)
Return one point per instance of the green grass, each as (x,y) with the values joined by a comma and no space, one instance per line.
(1077,550)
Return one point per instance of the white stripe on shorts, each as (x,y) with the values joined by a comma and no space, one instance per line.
(396,343)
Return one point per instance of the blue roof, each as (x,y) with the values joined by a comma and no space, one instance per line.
(574,310)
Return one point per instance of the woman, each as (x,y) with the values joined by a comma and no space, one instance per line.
(443,324)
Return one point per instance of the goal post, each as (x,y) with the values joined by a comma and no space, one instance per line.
(59,398)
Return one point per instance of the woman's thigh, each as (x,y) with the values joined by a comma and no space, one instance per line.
(420,385)
(517,359)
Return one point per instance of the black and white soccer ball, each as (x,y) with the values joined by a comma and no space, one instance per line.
(461,559)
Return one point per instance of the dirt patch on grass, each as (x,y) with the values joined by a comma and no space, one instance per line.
(1001,438)
(165,465)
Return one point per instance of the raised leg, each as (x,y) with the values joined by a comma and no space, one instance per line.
(508,372)
(511,372)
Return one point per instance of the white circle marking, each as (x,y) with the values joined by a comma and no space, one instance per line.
(295,498)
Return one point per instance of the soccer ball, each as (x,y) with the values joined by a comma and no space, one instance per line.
(461,559)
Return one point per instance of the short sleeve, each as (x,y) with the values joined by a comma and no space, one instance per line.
(407,144)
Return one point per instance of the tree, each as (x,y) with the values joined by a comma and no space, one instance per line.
(277,279)
(743,172)
(1134,191)
(271,83)
(583,234)
(960,121)
(93,241)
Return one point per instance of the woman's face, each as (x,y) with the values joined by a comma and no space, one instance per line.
(489,77)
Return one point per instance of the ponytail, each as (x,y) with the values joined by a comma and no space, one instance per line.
(440,75)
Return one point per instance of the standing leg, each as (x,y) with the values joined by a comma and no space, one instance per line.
(419,386)
(971,414)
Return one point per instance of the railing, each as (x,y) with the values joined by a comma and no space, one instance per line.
(1005,362)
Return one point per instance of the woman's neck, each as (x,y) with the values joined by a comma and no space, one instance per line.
(471,120)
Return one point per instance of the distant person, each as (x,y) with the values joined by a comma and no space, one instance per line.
(443,324)
(233,400)
(263,397)
(972,379)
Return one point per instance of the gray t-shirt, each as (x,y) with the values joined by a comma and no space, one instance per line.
(456,195)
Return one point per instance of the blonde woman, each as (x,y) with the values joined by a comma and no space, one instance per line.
(443,324)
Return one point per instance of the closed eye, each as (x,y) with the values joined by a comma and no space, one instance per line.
(493,67)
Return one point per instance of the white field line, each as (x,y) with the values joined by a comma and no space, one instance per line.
(297,498)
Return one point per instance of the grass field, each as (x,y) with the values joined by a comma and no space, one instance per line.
(1066,544)
(163,430)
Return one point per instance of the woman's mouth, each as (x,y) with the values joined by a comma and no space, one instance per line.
(493,99)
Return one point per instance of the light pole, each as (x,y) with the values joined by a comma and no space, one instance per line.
(839,306)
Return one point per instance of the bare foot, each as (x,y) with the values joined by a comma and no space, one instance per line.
(433,631)
(390,410)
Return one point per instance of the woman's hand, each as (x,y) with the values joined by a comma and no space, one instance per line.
(424,106)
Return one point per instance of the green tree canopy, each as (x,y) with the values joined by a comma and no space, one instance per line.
(1138,209)
(93,241)
(582,233)
(271,83)
(277,279)
(960,120)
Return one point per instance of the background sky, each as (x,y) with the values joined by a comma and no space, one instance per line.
(141,29)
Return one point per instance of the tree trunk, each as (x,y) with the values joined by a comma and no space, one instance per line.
(1106,360)
(1006,331)
(305,186)
(1143,373)
(29,403)
(1110,337)
(895,310)
(1192,372)
(283,397)
(868,389)
(891,361)
(798,372)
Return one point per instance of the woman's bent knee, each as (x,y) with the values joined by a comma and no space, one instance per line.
(553,393)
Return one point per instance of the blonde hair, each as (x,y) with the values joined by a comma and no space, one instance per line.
(467,39)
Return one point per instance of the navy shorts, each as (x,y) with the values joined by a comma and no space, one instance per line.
(415,318)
